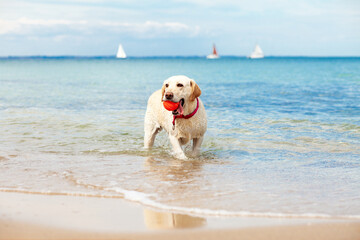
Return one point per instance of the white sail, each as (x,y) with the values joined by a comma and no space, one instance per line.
(121,53)
(257,53)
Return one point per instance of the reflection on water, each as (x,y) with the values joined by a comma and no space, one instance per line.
(173,169)
(176,172)
(167,220)
(172,181)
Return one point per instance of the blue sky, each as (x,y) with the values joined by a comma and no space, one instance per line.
(179,27)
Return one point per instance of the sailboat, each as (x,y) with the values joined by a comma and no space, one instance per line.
(120,53)
(214,54)
(257,53)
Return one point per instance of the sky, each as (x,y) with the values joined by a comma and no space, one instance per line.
(179,27)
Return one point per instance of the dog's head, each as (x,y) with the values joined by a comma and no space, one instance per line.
(180,89)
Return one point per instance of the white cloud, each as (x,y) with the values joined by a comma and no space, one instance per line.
(50,22)
(8,26)
(61,27)
(24,25)
(296,8)
(150,29)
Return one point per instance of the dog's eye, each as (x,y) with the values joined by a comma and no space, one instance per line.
(179,85)
(166,85)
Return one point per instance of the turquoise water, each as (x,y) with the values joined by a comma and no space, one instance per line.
(283,135)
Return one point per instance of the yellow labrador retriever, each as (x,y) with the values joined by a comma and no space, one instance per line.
(187,122)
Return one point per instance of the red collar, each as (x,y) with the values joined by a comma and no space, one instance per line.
(186,116)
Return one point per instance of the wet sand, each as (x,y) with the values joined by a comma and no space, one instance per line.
(32,216)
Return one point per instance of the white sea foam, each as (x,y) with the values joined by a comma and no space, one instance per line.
(145,199)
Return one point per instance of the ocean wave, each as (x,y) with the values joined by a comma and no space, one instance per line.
(145,200)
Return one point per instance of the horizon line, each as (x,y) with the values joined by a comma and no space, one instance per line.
(171,56)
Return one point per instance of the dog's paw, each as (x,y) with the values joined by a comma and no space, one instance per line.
(180,155)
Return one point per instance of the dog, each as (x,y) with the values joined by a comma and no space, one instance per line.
(187,122)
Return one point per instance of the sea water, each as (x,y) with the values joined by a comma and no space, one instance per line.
(283,136)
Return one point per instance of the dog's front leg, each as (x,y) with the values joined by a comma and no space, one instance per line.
(196,146)
(179,153)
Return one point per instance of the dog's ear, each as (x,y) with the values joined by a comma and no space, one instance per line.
(162,92)
(195,91)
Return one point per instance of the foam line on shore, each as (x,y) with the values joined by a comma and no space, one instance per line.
(145,199)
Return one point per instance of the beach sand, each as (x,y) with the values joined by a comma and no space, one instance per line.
(36,216)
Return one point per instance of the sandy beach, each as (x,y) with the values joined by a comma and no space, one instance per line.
(34,216)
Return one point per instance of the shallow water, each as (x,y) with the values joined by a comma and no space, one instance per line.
(283,135)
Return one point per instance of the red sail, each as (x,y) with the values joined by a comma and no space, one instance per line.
(214,51)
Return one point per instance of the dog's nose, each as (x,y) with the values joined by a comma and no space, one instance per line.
(169,95)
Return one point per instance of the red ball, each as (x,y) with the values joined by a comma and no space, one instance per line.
(171,106)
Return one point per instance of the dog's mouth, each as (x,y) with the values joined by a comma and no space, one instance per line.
(180,109)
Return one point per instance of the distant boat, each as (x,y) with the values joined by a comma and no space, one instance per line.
(257,53)
(214,55)
(120,53)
